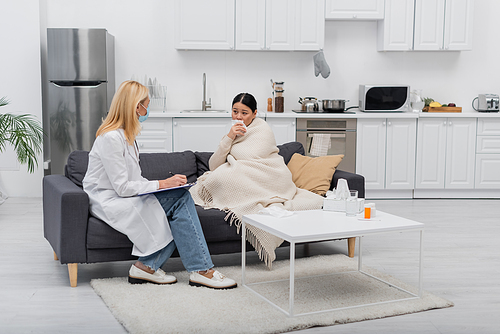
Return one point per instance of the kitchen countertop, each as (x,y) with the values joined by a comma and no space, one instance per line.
(357,114)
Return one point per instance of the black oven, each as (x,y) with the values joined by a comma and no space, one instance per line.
(321,136)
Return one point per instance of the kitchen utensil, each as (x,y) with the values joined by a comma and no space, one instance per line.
(336,105)
(309,104)
(486,103)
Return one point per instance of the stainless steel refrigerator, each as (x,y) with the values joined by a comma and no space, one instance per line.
(81,84)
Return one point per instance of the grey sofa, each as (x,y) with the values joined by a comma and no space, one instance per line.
(78,237)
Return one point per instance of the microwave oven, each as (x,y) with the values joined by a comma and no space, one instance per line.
(379,98)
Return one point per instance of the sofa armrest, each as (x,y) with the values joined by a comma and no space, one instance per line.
(65,218)
(354,181)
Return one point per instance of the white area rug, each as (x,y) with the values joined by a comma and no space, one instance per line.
(180,308)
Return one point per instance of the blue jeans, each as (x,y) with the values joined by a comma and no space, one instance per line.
(186,230)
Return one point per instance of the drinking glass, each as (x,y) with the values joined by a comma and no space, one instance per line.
(351,204)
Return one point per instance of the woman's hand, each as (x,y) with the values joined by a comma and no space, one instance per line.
(174,181)
(238,129)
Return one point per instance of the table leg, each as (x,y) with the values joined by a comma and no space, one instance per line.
(243,251)
(360,254)
(292,277)
(420,264)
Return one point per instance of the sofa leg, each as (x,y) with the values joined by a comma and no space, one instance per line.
(73,274)
(55,257)
(351,243)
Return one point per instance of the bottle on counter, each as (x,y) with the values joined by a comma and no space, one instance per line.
(269,104)
(279,101)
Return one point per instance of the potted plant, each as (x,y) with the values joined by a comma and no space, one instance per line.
(24,133)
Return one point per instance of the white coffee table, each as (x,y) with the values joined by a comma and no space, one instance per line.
(319,225)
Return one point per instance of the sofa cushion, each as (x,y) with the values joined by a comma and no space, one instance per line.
(215,228)
(202,159)
(101,235)
(76,166)
(285,150)
(157,166)
(314,174)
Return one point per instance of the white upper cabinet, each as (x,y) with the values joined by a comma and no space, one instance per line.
(395,32)
(204,25)
(354,9)
(280,21)
(426,25)
(429,25)
(250,25)
(458,24)
(309,25)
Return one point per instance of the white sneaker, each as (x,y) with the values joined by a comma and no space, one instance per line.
(218,281)
(138,276)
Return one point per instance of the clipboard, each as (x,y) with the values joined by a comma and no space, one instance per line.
(187,185)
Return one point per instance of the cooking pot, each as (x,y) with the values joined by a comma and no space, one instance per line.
(335,105)
(309,104)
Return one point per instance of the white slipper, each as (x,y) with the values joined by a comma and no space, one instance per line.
(218,281)
(138,276)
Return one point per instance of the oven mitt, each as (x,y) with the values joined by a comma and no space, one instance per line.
(320,65)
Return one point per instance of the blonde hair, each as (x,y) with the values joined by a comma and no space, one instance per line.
(122,113)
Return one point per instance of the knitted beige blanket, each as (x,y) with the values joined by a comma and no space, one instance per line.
(254,177)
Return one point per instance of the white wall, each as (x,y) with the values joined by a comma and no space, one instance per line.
(144,45)
(144,39)
(20,82)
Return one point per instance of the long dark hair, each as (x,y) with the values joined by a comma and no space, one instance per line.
(247,99)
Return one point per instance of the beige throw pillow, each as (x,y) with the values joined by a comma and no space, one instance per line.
(314,174)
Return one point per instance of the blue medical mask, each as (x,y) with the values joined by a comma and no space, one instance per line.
(145,117)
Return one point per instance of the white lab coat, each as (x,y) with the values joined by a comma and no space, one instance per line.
(112,181)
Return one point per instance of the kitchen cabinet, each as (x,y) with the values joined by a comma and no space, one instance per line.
(488,154)
(385,153)
(250,25)
(204,25)
(280,25)
(354,9)
(445,153)
(199,134)
(156,135)
(284,129)
(426,25)
(309,25)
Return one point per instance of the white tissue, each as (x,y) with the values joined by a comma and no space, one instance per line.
(342,190)
(276,211)
(234,121)
(335,200)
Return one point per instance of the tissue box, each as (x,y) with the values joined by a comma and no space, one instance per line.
(333,204)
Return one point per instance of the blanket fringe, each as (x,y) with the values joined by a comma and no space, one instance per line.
(251,238)
(206,197)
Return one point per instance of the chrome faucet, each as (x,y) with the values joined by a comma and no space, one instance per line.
(204,103)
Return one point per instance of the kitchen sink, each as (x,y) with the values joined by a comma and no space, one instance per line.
(205,111)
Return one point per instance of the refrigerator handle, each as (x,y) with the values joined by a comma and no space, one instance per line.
(89,84)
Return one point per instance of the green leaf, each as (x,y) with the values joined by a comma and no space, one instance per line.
(4,101)
(25,134)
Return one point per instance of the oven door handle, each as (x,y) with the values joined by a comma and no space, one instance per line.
(327,130)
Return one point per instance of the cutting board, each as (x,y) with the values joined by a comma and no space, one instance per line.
(442,109)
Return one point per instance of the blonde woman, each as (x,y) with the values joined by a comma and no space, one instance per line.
(113,181)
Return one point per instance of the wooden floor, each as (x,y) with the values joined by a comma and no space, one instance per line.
(461,263)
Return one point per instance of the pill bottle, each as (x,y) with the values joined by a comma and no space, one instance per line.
(368,211)
(373,209)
